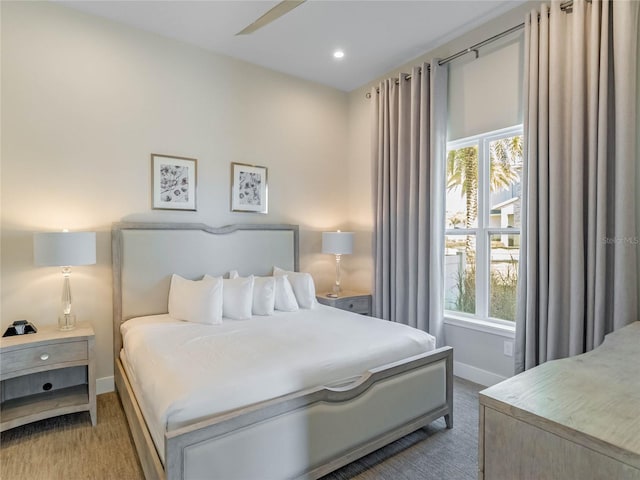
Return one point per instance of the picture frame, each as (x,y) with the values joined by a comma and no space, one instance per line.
(173,182)
(249,188)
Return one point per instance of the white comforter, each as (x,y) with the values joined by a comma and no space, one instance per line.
(187,371)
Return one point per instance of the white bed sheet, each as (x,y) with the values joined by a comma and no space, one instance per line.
(183,372)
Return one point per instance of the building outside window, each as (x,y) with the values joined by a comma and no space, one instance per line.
(482,231)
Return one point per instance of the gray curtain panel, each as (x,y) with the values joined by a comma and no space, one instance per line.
(578,280)
(409,150)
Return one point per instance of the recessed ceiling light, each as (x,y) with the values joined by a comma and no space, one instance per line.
(338,54)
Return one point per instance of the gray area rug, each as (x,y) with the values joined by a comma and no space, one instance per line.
(69,448)
(432,453)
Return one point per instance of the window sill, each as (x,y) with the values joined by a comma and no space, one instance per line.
(485,326)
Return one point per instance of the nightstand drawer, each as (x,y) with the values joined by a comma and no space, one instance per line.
(43,355)
(354,304)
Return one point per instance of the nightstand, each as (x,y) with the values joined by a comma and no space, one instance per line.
(356,302)
(46,374)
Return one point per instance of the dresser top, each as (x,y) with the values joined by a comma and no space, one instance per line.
(592,399)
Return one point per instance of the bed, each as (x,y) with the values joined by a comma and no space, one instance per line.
(303,422)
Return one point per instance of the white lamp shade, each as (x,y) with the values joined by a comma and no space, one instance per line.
(64,249)
(339,243)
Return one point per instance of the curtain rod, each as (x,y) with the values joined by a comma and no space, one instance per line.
(474,48)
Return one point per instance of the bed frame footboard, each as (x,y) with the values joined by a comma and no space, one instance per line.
(306,434)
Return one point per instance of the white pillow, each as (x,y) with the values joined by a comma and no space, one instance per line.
(196,301)
(285,299)
(303,287)
(264,295)
(238,298)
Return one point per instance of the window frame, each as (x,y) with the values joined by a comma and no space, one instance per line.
(483,232)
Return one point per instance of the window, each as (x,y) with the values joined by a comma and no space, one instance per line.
(482,236)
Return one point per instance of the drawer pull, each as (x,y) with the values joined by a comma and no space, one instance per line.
(44,356)
(351,305)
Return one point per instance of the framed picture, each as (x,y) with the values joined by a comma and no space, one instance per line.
(249,189)
(173,182)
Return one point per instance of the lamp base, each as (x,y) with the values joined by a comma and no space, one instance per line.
(67,322)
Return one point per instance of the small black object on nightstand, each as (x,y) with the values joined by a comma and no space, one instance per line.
(20,327)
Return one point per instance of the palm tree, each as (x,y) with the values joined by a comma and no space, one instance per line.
(462,171)
(504,171)
(506,162)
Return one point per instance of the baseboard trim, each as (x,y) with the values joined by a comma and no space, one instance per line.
(476,375)
(105,385)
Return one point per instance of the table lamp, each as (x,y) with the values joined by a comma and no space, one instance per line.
(64,249)
(337,243)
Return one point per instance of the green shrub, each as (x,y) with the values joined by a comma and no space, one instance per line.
(503,288)
(466,290)
(503,293)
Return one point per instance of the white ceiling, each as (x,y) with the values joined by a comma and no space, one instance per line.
(376,35)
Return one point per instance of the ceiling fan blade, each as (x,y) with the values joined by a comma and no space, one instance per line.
(273,14)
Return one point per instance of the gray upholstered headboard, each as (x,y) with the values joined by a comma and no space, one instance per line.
(145,255)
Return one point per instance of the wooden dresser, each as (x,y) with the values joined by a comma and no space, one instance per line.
(575,418)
